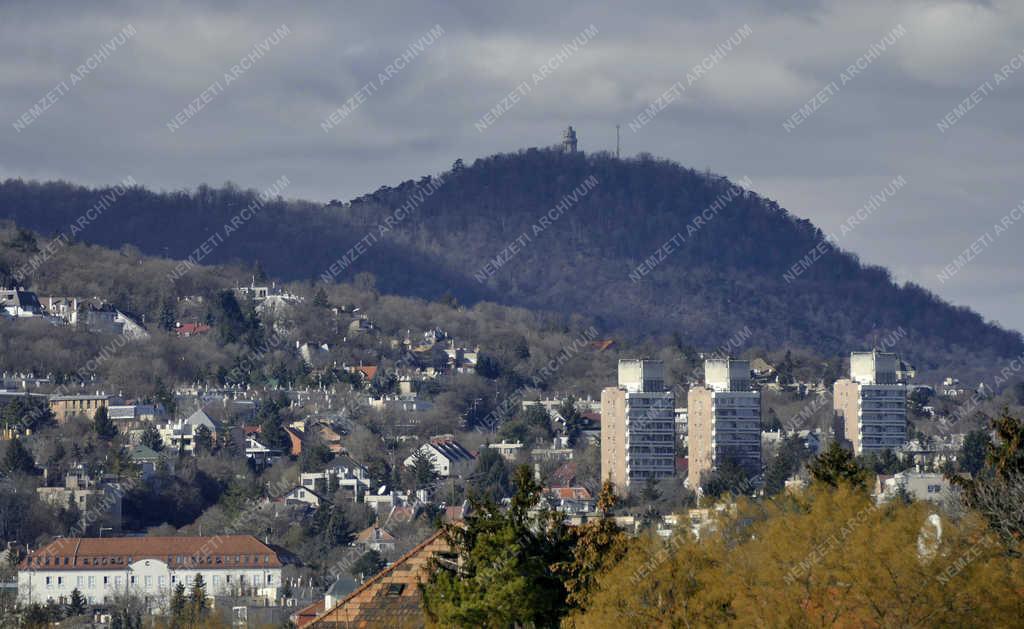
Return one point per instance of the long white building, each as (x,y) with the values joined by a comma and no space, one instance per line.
(150,567)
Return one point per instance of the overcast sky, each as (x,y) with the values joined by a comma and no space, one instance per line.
(862,129)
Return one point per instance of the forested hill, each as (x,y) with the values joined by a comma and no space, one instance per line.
(642,245)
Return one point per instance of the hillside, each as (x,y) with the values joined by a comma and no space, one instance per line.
(480,236)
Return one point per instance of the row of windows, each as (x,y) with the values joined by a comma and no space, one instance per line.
(147,581)
(118,560)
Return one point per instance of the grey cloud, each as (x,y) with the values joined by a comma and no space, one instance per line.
(268,122)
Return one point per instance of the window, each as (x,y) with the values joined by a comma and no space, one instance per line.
(161,581)
(216,580)
(60,580)
(106,583)
(394,589)
(92,582)
(80,582)
(48,584)
(117,582)
(148,581)
(934,489)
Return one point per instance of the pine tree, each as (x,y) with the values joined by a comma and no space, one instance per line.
(178,606)
(320,298)
(151,438)
(197,600)
(168,314)
(18,459)
(421,470)
(102,424)
(838,465)
(77,605)
(596,545)
(203,439)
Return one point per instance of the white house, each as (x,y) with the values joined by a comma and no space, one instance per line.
(931,486)
(448,456)
(306,495)
(259,453)
(181,434)
(149,567)
(19,303)
(375,538)
(508,450)
(343,472)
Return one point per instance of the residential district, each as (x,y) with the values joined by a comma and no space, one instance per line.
(344,522)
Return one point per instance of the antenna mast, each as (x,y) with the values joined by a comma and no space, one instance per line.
(616,141)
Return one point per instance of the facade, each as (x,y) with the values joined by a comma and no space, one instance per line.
(181,434)
(724,420)
(98,500)
(19,303)
(638,436)
(110,320)
(305,495)
(871,406)
(65,407)
(63,308)
(150,567)
(343,473)
(375,538)
(447,455)
(930,486)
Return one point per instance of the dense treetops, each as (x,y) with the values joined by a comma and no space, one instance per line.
(827,555)
(718,275)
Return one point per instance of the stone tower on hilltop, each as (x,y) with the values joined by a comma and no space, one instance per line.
(569,140)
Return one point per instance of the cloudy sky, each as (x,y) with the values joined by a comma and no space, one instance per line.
(860,129)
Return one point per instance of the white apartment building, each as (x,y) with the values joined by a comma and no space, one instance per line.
(638,428)
(149,567)
(870,405)
(724,418)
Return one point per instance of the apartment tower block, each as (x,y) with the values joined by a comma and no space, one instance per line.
(725,420)
(871,405)
(638,436)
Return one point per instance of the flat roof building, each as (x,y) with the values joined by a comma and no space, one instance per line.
(638,435)
(724,421)
(871,406)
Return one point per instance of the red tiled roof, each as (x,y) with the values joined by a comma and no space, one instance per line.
(192,329)
(374,534)
(564,475)
(369,371)
(308,613)
(570,493)
(392,598)
(95,553)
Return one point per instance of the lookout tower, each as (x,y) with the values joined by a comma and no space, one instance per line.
(569,140)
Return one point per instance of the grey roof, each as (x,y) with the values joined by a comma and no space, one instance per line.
(24,299)
(143,453)
(452,450)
